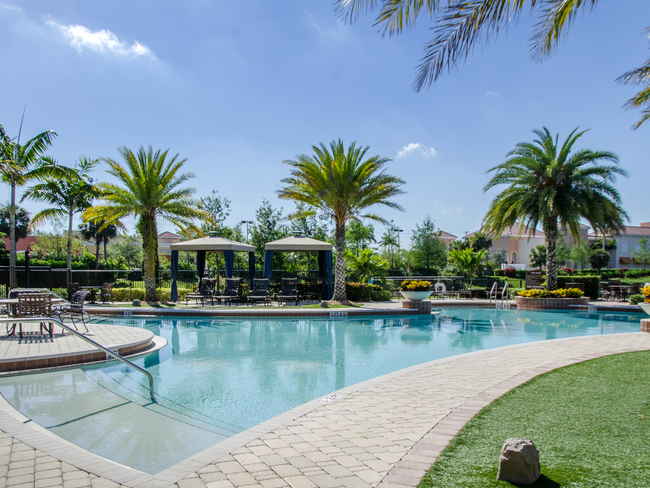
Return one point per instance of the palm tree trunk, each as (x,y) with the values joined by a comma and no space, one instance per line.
(105,240)
(12,238)
(98,239)
(69,263)
(149,232)
(339,270)
(550,229)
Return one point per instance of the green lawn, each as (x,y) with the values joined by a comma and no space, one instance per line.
(216,307)
(590,422)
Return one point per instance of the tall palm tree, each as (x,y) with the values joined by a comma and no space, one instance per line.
(550,185)
(342,185)
(67,198)
(19,164)
(149,187)
(389,240)
(106,233)
(461,25)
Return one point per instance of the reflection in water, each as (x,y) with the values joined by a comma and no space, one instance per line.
(240,372)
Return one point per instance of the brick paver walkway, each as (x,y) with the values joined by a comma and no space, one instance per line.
(381,433)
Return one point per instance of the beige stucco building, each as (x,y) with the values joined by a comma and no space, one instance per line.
(626,244)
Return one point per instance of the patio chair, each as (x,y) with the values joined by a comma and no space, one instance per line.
(459,288)
(33,305)
(73,309)
(231,292)
(605,292)
(107,292)
(260,292)
(289,291)
(204,292)
(72,289)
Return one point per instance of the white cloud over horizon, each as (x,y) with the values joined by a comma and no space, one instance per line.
(102,42)
(10,6)
(491,94)
(427,152)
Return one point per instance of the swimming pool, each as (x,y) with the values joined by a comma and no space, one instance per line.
(217,377)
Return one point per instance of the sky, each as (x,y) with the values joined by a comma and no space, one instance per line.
(238,87)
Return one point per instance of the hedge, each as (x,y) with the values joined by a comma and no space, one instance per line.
(361,292)
(592,284)
(380,296)
(130,294)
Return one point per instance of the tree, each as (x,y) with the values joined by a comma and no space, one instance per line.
(268,228)
(537,258)
(19,164)
(641,253)
(52,245)
(389,242)
(67,197)
(580,254)
(467,261)
(307,221)
(22,221)
(150,186)
(480,241)
(459,245)
(550,185)
(129,248)
(357,234)
(218,208)
(497,257)
(342,185)
(427,249)
(106,233)
(367,264)
(90,231)
(599,259)
(460,25)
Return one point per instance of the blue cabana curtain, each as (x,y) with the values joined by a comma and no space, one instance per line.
(200,265)
(325,270)
(174,264)
(251,267)
(229,257)
(268,264)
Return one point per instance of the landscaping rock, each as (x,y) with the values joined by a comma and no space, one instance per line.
(324,304)
(519,462)
(136,303)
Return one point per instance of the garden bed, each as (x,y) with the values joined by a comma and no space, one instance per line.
(527,303)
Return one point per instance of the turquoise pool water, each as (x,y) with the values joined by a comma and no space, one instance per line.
(217,377)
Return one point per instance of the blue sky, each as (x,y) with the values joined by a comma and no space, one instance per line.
(238,87)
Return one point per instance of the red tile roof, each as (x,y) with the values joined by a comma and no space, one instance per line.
(629,231)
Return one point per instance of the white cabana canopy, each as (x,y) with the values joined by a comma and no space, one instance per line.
(298,244)
(212,243)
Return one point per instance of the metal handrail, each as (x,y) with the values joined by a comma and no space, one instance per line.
(504,293)
(90,341)
(493,293)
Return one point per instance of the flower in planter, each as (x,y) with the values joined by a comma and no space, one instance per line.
(415,285)
(561,293)
(646,292)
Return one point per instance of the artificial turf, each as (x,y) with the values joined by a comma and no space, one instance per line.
(590,422)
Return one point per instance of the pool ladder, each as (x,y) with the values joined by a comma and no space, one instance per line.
(109,354)
(494,294)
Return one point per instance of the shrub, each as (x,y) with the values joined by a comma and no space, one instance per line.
(498,272)
(415,285)
(130,294)
(568,271)
(636,299)
(607,273)
(592,284)
(637,273)
(561,293)
(646,292)
(380,296)
(361,292)
(509,272)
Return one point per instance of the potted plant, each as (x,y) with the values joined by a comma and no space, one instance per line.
(646,293)
(415,290)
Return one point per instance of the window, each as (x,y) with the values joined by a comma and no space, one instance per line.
(623,247)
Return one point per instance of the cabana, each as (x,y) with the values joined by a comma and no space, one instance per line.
(210,244)
(300,243)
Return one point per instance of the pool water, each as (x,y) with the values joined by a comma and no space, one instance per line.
(224,375)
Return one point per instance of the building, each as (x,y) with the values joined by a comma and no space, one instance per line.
(165,239)
(21,244)
(622,256)
(445,237)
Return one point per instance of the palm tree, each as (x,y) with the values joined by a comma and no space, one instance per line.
(19,164)
(389,240)
(342,185)
(149,187)
(461,25)
(106,233)
(550,185)
(90,231)
(67,198)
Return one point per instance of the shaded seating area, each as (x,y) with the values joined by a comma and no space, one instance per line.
(205,291)
(259,292)
(299,243)
(209,244)
(232,292)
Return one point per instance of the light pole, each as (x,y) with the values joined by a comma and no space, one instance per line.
(398,231)
(246,222)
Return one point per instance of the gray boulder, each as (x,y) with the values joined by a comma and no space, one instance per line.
(519,462)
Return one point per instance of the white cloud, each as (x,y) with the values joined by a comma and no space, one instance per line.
(459,209)
(491,94)
(102,42)
(10,6)
(445,211)
(416,146)
(337,32)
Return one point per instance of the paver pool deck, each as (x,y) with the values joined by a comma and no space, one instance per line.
(385,432)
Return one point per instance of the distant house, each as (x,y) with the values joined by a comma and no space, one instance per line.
(445,237)
(626,244)
(165,239)
(21,244)
(517,241)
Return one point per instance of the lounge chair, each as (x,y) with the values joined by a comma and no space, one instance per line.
(260,292)
(73,309)
(289,291)
(204,292)
(232,291)
(107,292)
(33,305)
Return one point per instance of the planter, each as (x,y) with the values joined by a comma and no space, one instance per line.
(416,296)
(645,306)
(527,303)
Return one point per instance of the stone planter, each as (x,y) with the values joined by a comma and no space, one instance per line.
(416,296)
(526,303)
(645,306)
